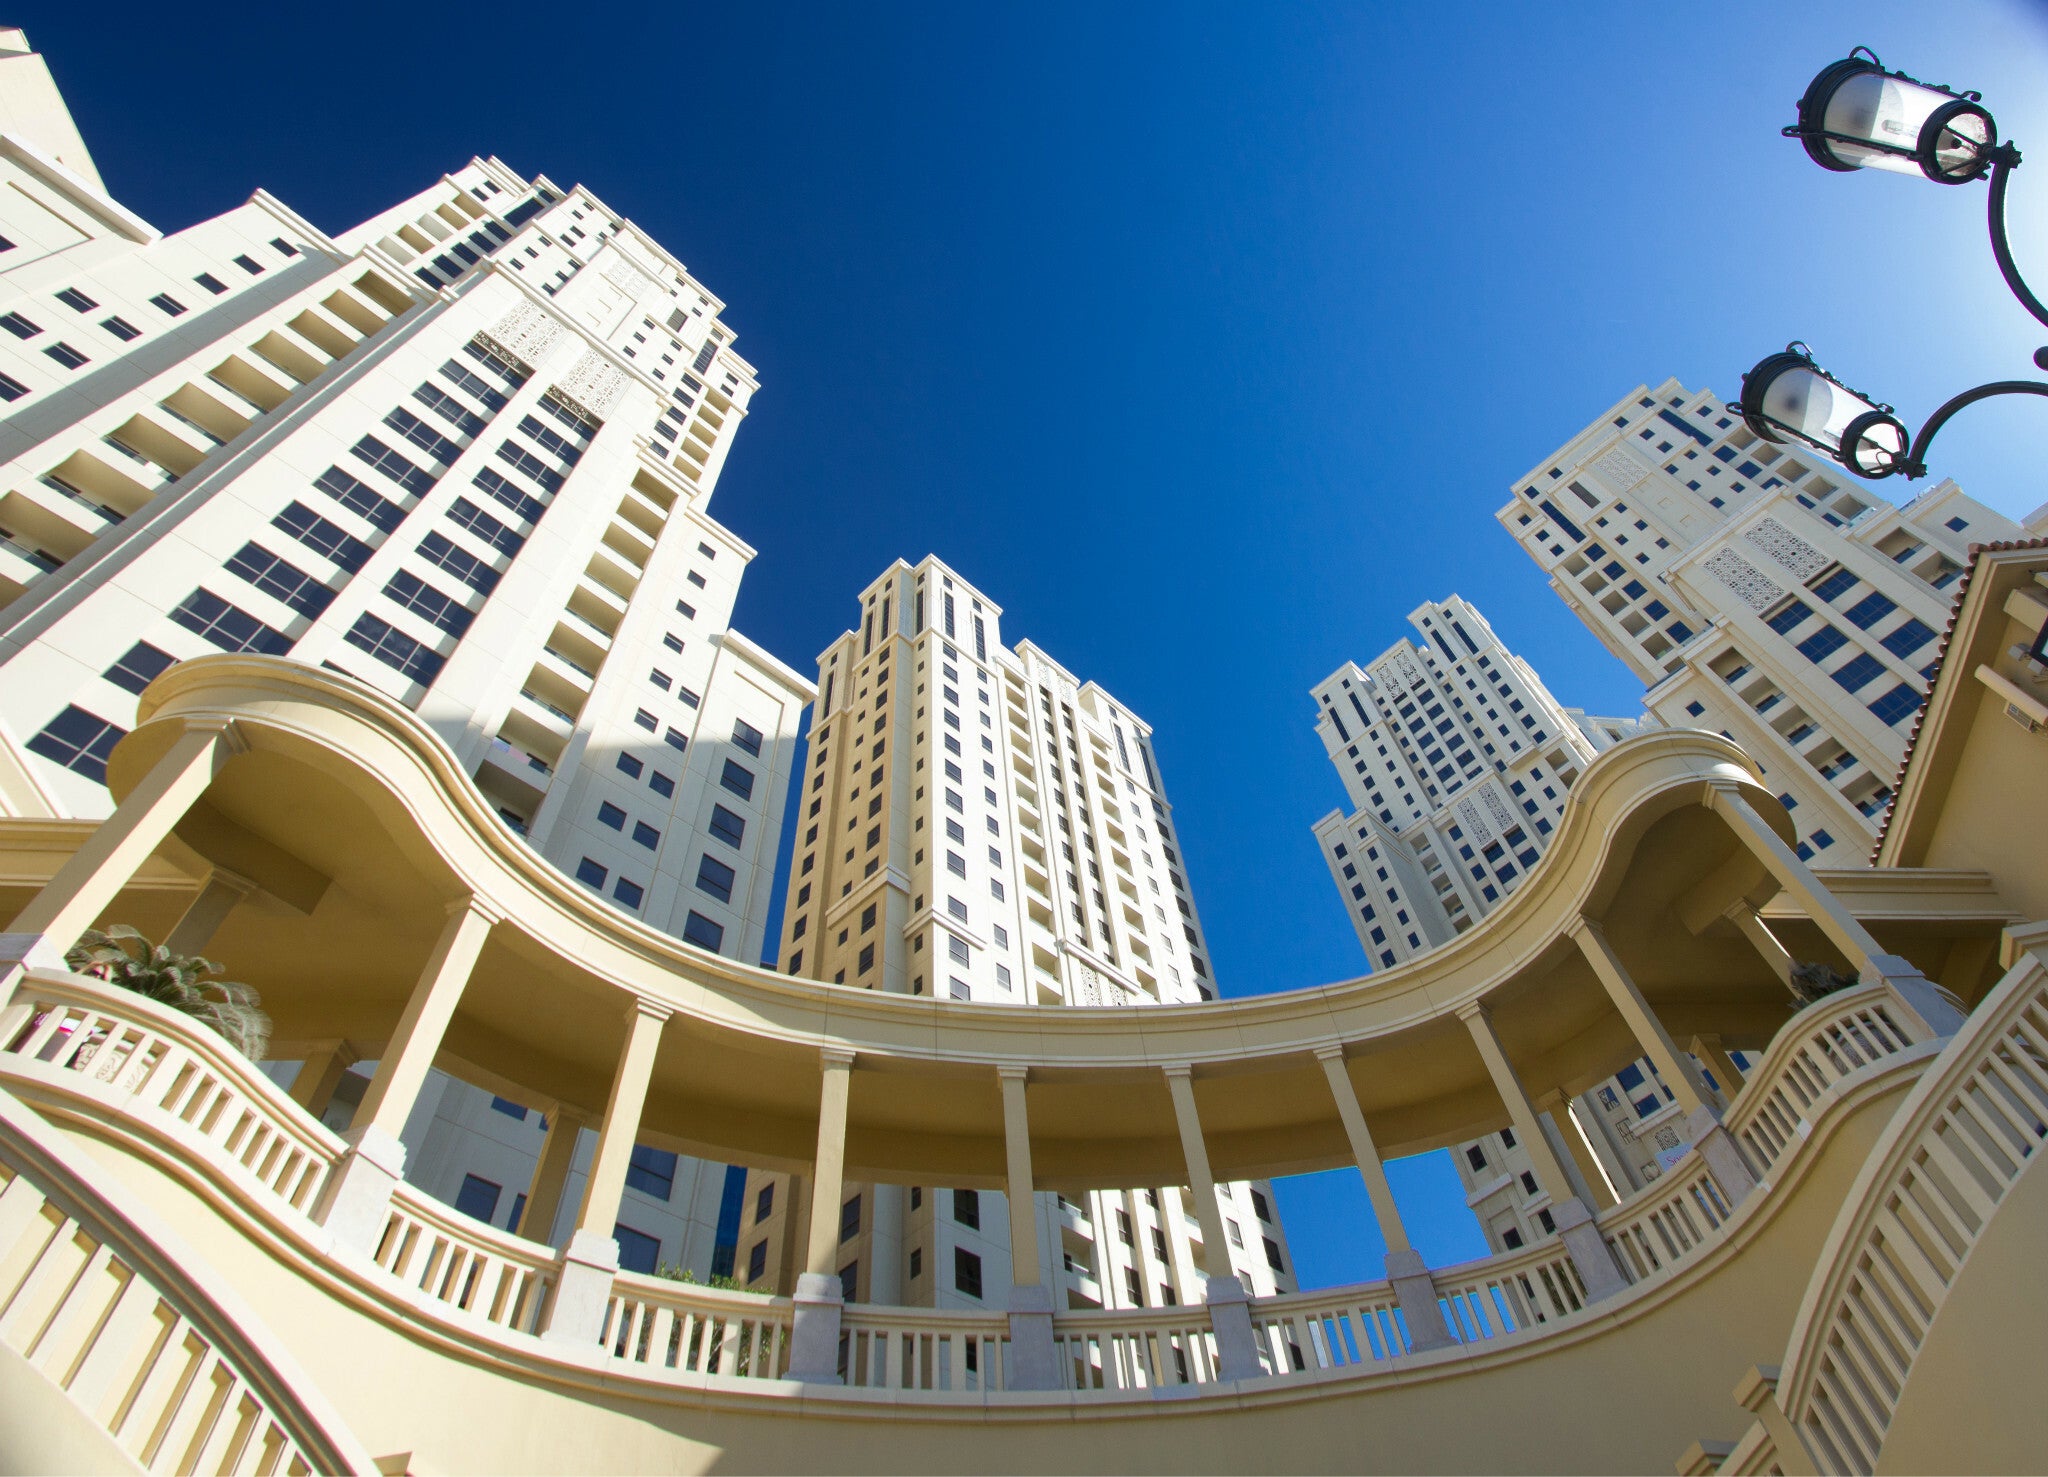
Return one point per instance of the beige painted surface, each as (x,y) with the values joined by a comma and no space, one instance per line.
(41,1431)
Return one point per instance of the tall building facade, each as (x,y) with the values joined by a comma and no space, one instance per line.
(1456,760)
(977,823)
(462,453)
(1757,591)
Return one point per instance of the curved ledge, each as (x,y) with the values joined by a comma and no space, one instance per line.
(348,804)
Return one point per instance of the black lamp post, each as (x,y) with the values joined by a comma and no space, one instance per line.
(1856,115)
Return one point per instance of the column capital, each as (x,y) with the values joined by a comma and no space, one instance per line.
(1582,927)
(1330,1051)
(1719,792)
(1011,1072)
(1185,1071)
(234,882)
(1475,1010)
(471,903)
(836,1058)
(229,732)
(652,1010)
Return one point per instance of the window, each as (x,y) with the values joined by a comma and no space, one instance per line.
(211,283)
(660,783)
(966,1272)
(738,779)
(67,356)
(394,648)
(478,1198)
(374,453)
(1273,1254)
(1868,611)
(967,1208)
(726,826)
(651,1172)
(141,666)
(849,1219)
(524,504)
(746,736)
(11,388)
(468,515)
(590,874)
(645,835)
(1857,672)
(757,1261)
(281,580)
(168,305)
(849,1280)
(764,1203)
(1835,585)
(715,877)
(120,328)
(436,549)
(72,298)
(1908,638)
(371,505)
(227,626)
(1790,616)
(1897,704)
(646,720)
(248,264)
(611,815)
(324,536)
(79,741)
(19,326)
(1822,644)
(638,1252)
(702,932)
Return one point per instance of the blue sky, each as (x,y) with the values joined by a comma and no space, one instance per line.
(1205,338)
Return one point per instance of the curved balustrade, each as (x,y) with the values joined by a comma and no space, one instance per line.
(464,1264)
(94,1296)
(1956,1148)
(666,1329)
(926,1349)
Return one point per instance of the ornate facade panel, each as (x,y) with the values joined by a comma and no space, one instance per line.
(1618,469)
(1750,585)
(528,333)
(1469,814)
(1787,548)
(593,383)
(1497,808)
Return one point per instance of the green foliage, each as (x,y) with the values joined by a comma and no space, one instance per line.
(121,956)
(673,1273)
(1812,981)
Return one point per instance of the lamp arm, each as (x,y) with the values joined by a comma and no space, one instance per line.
(2005,161)
(1915,464)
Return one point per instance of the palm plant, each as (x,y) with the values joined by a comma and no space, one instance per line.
(1812,981)
(122,956)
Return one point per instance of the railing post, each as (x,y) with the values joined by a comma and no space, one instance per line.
(204,915)
(1406,1271)
(583,1283)
(86,885)
(815,1322)
(1574,1221)
(1033,1363)
(1230,1312)
(1930,1006)
(1723,1157)
(357,1195)
(1758,1394)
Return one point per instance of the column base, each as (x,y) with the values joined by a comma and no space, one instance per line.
(355,1203)
(583,1290)
(1034,1361)
(1415,1293)
(1587,1249)
(1935,1007)
(1722,1155)
(814,1329)
(1230,1319)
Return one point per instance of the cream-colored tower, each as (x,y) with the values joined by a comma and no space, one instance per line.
(462,453)
(975,822)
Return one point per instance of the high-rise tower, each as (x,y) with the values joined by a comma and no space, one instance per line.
(977,823)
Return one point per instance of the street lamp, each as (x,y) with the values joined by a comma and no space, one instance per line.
(1857,115)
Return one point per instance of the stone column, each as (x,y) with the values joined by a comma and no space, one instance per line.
(583,1283)
(321,1072)
(203,917)
(1716,1146)
(814,1326)
(357,1195)
(1230,1310)
(1708,1049)
(1575,1228)
(1033,1363)
(1413,1289)
(1758,932)
(87,884)
(1588,1182)
(1934,1010)
(551,1176)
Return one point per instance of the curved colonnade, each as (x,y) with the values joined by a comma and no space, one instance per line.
(1659,915)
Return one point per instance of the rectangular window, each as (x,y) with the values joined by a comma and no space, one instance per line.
(523,503)
(590,874)
(1784,620)
(361,499)
(966,1272)
(211,283)
(437,609)
(142,665)
(1907,639)
(638,1251)
(702,932)
(79,741)
(764,1203)
(1858,672)
(1899,703)
(651,1172)
(467,514)
(374,453)
(323,536)
(715,877)
(394,648)
(120,328)
(11,388)
(746,736)
(248,264)
(527,464)
(611,815)
(738,779)
(849,1219)
(628,893)
(1868,611)
(228,627)
(478,1198)
(1822,644)
(167,305)
(67,356)
(281,580)
(19,326)
(757,1262)
(436,549)
(727,827)
(967,1208)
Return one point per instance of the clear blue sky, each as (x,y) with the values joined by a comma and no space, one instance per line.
(1205,338)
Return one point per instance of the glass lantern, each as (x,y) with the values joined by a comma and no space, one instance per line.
(1857,115)
(1788,397)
